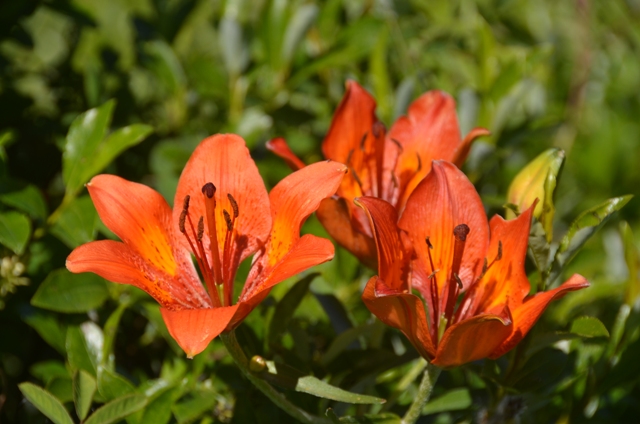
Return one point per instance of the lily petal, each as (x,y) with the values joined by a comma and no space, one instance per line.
(527,314)
(224,160)
(280,147)
(403,311)
(119,263)
(472,339)
(393,262)
(443,200)
(334,215)
(139,216)
(505,282)
(194,329)
(460,156)
(428,132)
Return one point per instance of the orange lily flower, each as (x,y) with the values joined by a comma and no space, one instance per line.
(222,215)
(442,246)
(386,165)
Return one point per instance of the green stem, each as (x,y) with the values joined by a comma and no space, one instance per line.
(429,378)
(236,352)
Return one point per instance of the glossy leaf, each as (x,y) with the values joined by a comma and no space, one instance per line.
(84,387)
(78,352)
(117,409)
(453,400)
(77,223)
(287,306)
(15,230)
(65,292)
(84,136)
(314,386)
(581,229)
(589,327)
(46,403)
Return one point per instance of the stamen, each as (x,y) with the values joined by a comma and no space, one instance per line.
(434,290)
(234,205)
(377,129)
(499,251)
(349,157)
(185,203)
(183,216)
(458,280)
(419,162)
(208,190)
(398,145)
(358,181)
(362,140)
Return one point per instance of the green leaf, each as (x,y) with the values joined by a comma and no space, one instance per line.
(299,24)
(197,403)
(117,409)
(26,198)
(287,306)
(65,292)
(589,327)
(384,418)
(453,400)
(539,246)
(61,388)
(84,347)
(117,142)
(314,386)
(110,329)
(84,136)
(112,385)
(581,229)
(159,410)
(234,51)
(15,230)
(77,223)
(84,387)
(48,370)
(48,327)
(632,259)
(46,403)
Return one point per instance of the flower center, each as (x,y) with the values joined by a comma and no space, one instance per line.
(217,266)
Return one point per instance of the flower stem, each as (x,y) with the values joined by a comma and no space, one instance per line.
(429,378)
(236,352)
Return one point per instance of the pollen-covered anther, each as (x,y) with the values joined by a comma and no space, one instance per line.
(227,219)
(461,231)
(185,203)
(200,228)
(378,129)
(458,280)
(234,205)
(362,141)
(183,216)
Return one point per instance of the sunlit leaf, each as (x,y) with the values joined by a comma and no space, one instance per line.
(65,292)
(46,403)
(84,386)
(117,409)
(589,327)
(15,230)
(453,400)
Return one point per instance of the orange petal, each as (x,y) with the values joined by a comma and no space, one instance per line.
(472,339)
(224,160)
(428,132)
(403,311)
(119,263)
(334,215)
(443,200)
(505,282)
(193,329)
(392,260)
(527,314)
(280,147)
(139,216)
(295,198)
(463,149)
(307,252)
(351,127)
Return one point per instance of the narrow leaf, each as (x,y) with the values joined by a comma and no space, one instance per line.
(632,259)
(453,400)
(287,306)
(589,327)
(83,138)
(314,386)
(15,230)
(65,292)
(46,403)
(117,409)
(84,387)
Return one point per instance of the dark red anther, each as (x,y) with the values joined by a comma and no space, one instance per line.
(234,205)
(209,190)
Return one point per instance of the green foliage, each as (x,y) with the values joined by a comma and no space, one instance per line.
(130,88)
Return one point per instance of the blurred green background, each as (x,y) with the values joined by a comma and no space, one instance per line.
(537,73)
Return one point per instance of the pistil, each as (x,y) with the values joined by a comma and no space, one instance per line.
(209,191)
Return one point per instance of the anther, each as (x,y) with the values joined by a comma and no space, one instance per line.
(499,251)
(429,243)
(377,129)
(362,140)
(419,162)
(183,216)
(227,219)
(185,203)
(355,177)
(398,145)
(200,228)
(458,280)
(433,274)
(349,156)
(234,205)
(209,190)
